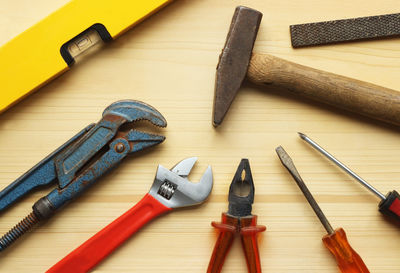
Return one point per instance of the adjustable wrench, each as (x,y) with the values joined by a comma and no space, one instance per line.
(171,189)
(77,164)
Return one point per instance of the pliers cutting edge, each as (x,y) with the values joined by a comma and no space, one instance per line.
(238,219)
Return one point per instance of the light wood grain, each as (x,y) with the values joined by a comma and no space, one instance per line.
(169,62)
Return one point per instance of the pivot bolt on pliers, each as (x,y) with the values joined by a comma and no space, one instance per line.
(238,220)
(77,164)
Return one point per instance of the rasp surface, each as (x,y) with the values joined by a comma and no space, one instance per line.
(328,32)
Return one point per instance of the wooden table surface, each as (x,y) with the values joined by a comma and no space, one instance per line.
(169,62)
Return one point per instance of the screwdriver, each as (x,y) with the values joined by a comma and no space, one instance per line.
(389,204)
(336,241)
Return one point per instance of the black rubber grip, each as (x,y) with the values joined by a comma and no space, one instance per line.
(328,32)
(391,205)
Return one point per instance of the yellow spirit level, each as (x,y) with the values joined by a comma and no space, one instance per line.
(49,48)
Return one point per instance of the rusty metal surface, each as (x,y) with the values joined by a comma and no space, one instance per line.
(345,30)
(234,59)
(79,163)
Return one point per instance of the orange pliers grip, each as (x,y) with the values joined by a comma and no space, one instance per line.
(248,232)
(229,226)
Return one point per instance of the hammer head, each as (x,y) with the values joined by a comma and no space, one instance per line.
(234,59)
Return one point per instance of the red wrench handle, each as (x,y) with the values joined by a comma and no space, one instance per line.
(94,250)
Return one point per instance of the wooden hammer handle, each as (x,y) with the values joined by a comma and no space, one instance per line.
(360,97)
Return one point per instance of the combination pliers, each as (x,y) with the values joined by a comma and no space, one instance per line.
(238,219)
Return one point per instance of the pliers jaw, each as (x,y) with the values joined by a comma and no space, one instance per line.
(241,191)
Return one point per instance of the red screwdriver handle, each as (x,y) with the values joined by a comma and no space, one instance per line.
(227,228)
(347,259)
(94,250)
(391,205)
(248,232)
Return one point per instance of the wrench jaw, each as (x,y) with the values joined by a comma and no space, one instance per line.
(132,110)
(176,191)
(184,167)
(127,113)
(139,140)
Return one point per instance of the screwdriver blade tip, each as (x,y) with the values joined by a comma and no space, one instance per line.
(284,157)
(280,151)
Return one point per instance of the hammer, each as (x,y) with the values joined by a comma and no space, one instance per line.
(237,61)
